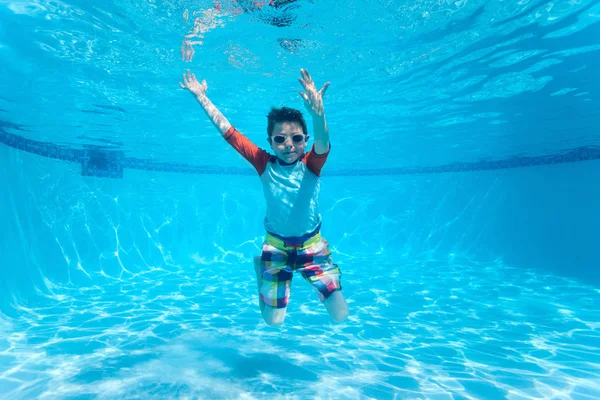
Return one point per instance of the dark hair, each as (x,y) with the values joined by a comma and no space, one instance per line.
(284,114)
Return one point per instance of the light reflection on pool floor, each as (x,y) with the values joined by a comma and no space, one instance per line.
(431,329)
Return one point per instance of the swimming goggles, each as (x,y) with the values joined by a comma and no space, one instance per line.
(297,138)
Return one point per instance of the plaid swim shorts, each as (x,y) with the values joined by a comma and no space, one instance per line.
(280,259)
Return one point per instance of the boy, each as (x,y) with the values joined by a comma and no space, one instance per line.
(291,184)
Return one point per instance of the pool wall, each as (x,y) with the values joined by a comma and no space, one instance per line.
(61,227)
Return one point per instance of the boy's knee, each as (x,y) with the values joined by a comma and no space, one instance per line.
(273,316)
(340,315)
(273,321)
(337,307)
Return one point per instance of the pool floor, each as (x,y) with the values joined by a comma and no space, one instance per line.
(434,329)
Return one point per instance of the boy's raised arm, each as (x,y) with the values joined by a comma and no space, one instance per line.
(256,156)
(199,91)
(313,101)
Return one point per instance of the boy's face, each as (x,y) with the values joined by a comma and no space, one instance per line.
(288,141)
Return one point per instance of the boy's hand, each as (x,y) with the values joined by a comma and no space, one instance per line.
(313,99)
(192,84)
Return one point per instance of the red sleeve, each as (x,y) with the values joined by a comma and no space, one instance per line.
(315,161)
(251,152)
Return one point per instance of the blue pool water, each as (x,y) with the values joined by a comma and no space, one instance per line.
(460,200)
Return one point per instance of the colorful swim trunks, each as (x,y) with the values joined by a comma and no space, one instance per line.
(281,257)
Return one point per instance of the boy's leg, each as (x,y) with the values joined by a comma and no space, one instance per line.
(272,316)
(336,306)
(319,270)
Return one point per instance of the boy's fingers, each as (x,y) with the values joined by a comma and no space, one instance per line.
(305,74)
(302,82)
(324,88)
(305,97)
(308,78)
(184,78)
(182,85)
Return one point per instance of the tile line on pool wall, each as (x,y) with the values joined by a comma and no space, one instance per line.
(111,163)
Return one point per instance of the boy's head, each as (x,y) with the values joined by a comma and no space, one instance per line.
(287,133)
